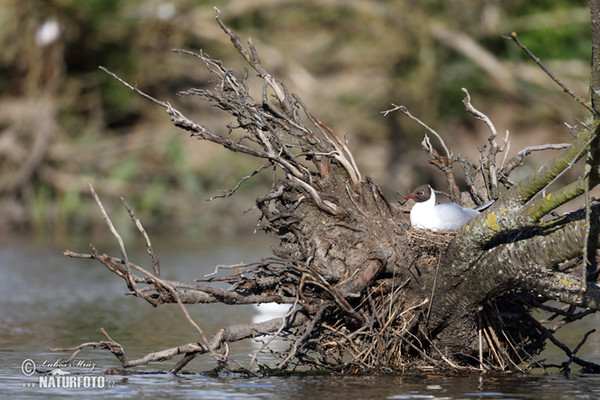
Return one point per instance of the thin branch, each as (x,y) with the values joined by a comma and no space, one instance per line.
(571,354)
(444,164)
(405,111)
(155,279)
(342,153)
(149,248)
(565,88)
(489,163)
(109,344)
(284,324)
(252,59)
(587,263)
(129,278)
(135,89)
(517,159)
(231,191)
(323,204)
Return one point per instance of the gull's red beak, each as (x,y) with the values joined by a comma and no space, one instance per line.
(410,196)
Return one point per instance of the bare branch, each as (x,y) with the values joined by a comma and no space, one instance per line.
(489,162)
(477,54)
(517,160)
(252,59)
(149,248)
(130,281)
(565,88)
(230,192)
(405,111)
(135,89)
(342,154)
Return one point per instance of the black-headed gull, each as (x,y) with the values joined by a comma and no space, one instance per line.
(425,214)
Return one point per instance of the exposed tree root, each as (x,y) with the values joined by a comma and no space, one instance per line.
(369,293)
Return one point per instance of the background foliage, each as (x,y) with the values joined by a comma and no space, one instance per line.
(64,123)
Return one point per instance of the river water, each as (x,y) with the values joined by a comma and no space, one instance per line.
(48,300)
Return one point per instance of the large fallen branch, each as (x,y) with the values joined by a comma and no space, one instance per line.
(366,291)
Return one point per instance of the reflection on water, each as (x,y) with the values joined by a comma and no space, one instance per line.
(48,300)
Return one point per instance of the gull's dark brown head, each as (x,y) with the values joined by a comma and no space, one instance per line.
(420,194)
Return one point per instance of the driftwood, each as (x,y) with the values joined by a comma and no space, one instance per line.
(368,292)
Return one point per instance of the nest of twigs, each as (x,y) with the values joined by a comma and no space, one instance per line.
(429,245)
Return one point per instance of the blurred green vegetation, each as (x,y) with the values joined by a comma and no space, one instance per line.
(64,123)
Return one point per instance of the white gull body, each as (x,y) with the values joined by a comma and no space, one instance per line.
(267,311)
(425,214)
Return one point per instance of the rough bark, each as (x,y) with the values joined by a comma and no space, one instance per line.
(595,65)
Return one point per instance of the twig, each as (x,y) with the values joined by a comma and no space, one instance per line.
(517,159)
(565,348)
(155,279)
(323,204)
(181,121)
(433,287)
(346,160)
(493,342)
(480,342)
(572,357)
(129,278)
(135,89)
(444,164)
(580,100)
(587,224)
(230,192)
(489,163)
(405,111)
(109,344)
(284,324)
(149,248)
(446,359)
(252,59)
(300,341)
